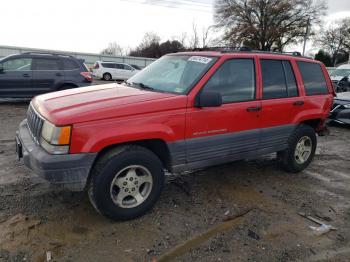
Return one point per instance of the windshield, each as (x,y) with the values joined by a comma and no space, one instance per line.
(173,73)
(341,72)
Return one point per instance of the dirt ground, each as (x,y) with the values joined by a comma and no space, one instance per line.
(194,218)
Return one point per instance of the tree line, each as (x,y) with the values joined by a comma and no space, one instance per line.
(268,25)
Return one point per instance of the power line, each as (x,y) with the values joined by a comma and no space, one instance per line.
(172,5)
(182,2)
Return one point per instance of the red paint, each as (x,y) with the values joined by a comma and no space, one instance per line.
(111,114)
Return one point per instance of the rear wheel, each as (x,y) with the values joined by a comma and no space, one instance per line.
(301,149)
(126,182)
(107,76)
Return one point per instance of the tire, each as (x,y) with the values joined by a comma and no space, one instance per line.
(118,192)
(293,159)
(107,77)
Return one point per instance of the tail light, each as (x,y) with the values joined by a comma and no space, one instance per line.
(87,76)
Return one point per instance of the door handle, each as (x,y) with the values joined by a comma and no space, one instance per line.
(253,109)
(25,75)
(59,74)
(298,103)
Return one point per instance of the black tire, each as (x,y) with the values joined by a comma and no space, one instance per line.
(104,173)
(107,77)
(287,157)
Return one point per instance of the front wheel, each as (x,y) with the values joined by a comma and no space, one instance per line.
(126,182)
(301,149)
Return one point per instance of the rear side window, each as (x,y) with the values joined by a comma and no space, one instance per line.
(108,65)
(69,64)
(313,78)
(278,79)
(45,64)
(126,67)
(235,80)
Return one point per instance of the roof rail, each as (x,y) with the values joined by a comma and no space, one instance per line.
(46,53)
(223,49)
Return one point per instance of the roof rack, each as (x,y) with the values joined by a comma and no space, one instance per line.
(46,53)
(223,49)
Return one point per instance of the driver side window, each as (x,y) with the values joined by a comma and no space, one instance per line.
(235,80)
(17,64)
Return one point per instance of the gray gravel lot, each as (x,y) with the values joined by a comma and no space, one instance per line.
(196,211)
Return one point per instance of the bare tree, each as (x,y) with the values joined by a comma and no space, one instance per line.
(181,38)
(194,39)
(114,49)
(206,36)
(336,39)
(149,46)
(266,24)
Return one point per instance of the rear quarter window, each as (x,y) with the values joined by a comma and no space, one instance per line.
(313,78)
(69,64)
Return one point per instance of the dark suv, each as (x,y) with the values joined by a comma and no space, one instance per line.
(30,74)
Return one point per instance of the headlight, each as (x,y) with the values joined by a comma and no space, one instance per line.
(54,139)
(347,106)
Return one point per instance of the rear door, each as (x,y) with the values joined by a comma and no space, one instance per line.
(16,78)
(47,74)
(221,134)
(281,102)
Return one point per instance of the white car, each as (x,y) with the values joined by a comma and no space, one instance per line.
(112,70)
(339,73)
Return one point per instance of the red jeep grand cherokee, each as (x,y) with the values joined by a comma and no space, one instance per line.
(185,111)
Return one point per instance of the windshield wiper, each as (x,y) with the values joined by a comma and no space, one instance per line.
(142,85)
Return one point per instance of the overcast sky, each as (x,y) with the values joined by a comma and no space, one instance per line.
(88,26)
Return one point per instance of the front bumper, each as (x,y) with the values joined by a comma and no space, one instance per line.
(70,171)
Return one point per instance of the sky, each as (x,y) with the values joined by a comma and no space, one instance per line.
(88,26)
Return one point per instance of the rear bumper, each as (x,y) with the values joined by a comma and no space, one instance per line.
(340,115)
(70,171)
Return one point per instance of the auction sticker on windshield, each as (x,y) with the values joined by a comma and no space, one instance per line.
(200,59)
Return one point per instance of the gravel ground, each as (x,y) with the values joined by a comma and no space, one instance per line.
(195,218)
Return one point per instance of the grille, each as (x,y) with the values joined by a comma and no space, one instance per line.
(35,123)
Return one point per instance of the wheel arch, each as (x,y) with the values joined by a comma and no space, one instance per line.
(158,146)
(317,124)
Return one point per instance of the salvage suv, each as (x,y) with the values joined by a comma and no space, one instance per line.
(183,112)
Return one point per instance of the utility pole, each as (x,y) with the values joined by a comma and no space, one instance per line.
(306,34)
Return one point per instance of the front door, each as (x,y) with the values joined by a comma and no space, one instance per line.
(16,78)
(229,132)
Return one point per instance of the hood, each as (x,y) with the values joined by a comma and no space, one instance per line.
(98,102)
(343,96)
(336,78)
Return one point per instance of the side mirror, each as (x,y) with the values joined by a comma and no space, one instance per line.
(209,99)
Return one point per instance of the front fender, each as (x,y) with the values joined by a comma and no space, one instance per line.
(93,137)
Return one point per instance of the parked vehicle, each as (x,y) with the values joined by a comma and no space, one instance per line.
(339,73)
(331,70)
(110,70)
(29,74)
(183,112)
(340,112)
